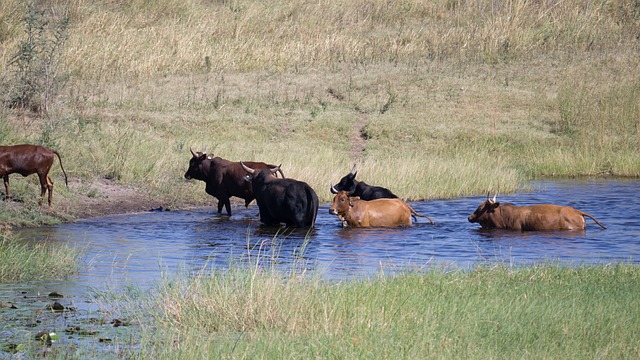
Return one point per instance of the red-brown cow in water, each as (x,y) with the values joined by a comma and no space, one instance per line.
(491,215)
(28,159)
(353,211)
(223,178)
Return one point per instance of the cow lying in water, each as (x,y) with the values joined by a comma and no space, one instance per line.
(29,159)
(365,191)
(353,211)
(491,215)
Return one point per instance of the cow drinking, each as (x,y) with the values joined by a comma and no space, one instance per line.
(287,201)
(29,159)
(493,215)
(223,178)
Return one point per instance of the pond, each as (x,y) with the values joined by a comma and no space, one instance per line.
(138,249)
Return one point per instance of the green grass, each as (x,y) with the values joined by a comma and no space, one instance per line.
(24,261)
(545,311)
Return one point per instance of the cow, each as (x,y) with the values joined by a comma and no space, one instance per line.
(353,211)
(223,178)
(27,159)
(353,187)
(492,215)
(287,201)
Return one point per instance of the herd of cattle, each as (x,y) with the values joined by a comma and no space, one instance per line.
(294,203)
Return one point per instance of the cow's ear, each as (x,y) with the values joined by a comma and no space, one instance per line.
(495,205)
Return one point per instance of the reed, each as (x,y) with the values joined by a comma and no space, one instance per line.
(496,311)
(23,261)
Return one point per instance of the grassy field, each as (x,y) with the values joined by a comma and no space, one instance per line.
(432,99)
(495,312)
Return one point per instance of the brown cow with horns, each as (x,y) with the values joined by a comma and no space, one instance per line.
(491,215)
(26,159)
(223,178)
(353,211)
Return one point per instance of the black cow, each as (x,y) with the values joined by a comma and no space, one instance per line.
(223,178)
(359,188)
(286,201)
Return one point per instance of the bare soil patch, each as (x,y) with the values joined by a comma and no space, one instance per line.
(105,197)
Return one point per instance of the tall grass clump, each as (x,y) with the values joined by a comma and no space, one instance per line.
(23,261)
(35,76)
(603,123)
(545,311)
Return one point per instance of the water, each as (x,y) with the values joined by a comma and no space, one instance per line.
(138,250)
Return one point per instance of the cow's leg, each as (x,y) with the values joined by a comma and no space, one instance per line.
(227,206)
(7,194)
(44,185)
(220,205)
(50,188)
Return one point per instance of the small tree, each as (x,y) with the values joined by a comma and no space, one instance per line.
(37,78)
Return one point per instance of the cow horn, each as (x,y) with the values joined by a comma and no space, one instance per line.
(192,153)
(275,169)
(333,190)
(353,170)
(494,197)
(247,169)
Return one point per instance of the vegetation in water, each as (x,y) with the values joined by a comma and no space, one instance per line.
(495,311)
(21,260)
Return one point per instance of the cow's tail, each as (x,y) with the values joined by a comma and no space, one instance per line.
(61,167)
(592,218)
(414,214)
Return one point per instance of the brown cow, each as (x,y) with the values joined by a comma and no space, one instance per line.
(28,159)
(223,178)
(491,215)
(353,211)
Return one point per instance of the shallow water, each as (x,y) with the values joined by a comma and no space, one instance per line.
(139,249)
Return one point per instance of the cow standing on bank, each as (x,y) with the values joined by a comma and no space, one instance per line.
(353,187)
(223,178)
(492,215)
(287,201)
(355,212)
(29,159)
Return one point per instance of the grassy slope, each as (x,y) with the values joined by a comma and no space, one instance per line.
(441,99)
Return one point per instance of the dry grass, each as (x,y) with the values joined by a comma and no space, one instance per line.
(430,98)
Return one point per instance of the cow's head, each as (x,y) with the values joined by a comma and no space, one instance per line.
(347,183)
(487,207)
(341,204)
(198,165)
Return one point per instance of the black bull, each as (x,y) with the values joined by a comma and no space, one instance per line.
(367,192)
(223,178)
(286,201)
